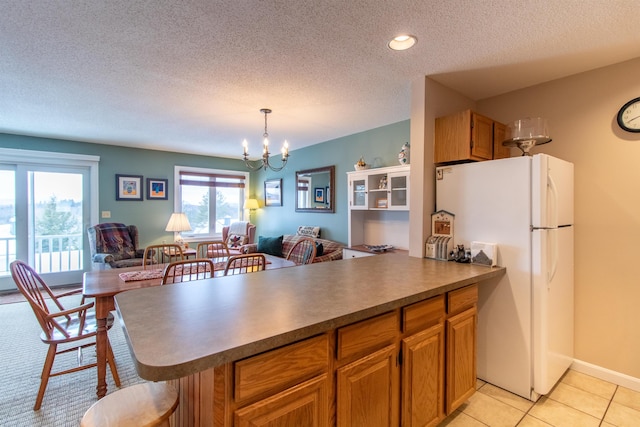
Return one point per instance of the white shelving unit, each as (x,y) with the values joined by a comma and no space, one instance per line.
(379,206)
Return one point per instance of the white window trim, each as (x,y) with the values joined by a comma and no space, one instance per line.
(33,157)
(177,199)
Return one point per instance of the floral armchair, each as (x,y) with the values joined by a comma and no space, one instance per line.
(238,234)
(114,245)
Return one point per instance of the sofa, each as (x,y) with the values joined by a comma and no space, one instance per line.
(331,250)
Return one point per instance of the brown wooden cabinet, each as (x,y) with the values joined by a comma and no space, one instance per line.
(303,405)
(465,136)
(461,346)
(411,367)
(423,377)
(367,391)
(499,135)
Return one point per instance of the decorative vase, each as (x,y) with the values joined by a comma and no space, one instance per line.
(403,155)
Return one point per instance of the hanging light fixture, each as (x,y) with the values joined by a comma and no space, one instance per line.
(264,162)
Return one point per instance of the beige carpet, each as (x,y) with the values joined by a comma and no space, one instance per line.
(68,396)
(9,297)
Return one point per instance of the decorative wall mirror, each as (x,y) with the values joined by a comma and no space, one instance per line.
(315,190)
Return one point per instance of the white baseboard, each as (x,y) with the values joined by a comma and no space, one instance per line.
(606,374)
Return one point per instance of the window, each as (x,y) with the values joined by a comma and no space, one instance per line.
(48,200)
(211,198)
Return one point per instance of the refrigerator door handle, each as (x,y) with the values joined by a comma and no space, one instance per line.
(553,253)
(552,199)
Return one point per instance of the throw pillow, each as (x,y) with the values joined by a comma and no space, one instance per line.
(270,245)
(309,231)
(236,240)
(319,249)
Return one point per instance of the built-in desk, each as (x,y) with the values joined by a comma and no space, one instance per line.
(360,251)
(187,329)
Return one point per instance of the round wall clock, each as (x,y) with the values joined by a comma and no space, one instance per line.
(629,116)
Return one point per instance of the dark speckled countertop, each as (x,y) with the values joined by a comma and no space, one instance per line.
(180,329)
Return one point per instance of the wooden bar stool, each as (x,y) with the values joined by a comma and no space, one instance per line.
(142,405)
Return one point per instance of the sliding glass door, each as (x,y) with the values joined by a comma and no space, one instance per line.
(44,212)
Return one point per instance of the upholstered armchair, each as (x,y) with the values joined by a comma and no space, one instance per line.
(114,245)
(238,234)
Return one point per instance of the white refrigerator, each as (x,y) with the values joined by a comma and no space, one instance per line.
(525,319)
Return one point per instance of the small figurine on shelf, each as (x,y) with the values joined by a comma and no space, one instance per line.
(403,155)
(382,184)
(361,165)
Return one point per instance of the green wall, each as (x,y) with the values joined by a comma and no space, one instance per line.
(379,147)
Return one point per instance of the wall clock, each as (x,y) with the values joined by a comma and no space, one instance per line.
(629,116)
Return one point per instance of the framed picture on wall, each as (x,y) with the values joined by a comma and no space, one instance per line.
(129,187)
(157,189)
(318,195)
(273,192)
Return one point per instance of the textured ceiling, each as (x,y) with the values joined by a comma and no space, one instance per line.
(191,76)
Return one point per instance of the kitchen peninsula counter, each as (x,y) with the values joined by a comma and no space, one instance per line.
(293,317)
(177,330)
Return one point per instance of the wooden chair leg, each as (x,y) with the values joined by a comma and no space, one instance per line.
(111,360)
(44,377)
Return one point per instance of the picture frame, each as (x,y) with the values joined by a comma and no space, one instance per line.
(381,203)
(273,192)
(318,194)
(157,189)
(129,187)
(327,195)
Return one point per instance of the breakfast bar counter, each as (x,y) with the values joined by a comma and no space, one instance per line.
(181,330)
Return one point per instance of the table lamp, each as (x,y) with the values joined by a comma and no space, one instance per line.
(178,223)
(252,205)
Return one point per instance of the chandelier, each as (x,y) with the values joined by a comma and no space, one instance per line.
(264,162)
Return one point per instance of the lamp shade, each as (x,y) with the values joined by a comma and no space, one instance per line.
(251,204)
(178,222)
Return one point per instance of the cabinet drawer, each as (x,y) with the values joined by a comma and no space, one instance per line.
(461,299)
(368,335)
(423,314)
(281,368)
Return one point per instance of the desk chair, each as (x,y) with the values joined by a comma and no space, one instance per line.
(245,263)
(60,325)
(187,270)
(161,254)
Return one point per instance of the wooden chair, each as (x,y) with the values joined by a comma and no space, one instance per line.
(245,263)
(187,270)
(212,249)
(161,254)
(60,325)
(303,252)
(147,404)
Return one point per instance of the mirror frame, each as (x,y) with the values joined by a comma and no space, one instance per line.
(332,202)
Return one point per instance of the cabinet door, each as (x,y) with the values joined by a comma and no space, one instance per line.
(358,192)
(423,378)
(482,138)
(461,357)
(304,405)
(367,391)
(398,190)
(499,135)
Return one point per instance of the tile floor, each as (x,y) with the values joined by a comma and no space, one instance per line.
(577,400)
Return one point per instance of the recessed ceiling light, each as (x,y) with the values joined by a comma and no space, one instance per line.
(402,42)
